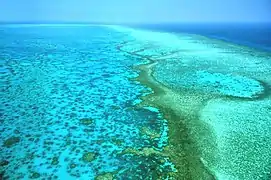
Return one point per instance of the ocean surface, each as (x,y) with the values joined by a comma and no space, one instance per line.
(255,35)
(151,102)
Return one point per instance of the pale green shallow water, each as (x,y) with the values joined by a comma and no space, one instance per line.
(234,82)
(68,103)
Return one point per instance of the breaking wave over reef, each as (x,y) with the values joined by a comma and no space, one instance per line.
(111,102)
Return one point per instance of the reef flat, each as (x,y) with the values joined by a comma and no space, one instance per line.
(216,98)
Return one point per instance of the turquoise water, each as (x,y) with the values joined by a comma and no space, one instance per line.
(68,106)
(221,92)
(74,105)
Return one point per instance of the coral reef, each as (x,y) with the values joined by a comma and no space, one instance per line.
(11,141)
(90,102)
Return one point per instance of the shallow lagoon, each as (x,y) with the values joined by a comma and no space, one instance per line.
(66,92)
(76,103)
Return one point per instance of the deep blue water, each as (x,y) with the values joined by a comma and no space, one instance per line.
(252,35)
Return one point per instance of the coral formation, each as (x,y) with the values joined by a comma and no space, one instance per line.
(88,157)
(11,141)
(107,104)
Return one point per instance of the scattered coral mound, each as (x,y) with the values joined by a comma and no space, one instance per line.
(68,105)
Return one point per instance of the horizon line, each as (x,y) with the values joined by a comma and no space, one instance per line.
(133,23)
